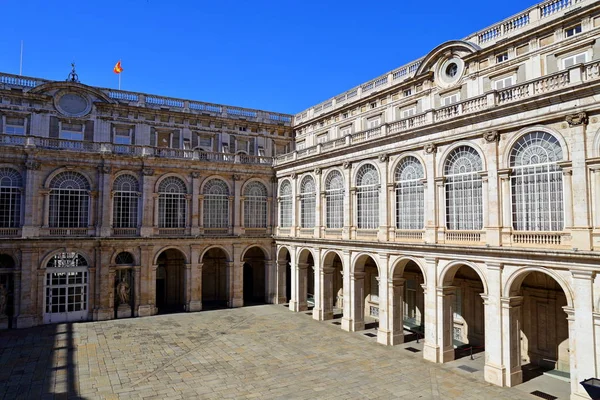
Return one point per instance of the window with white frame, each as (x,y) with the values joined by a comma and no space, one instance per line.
(464,198)
(307,202)
(122,135)
(367,197)
(71,131)
(536,183)
(575,59)
(285,205)
(334,200)
(14,126)
(503,83)
(69,201)
(11,185)
(409,194)
(126,196)
(373,122)
(408,112)
(216,204)
(573,30)
(451,99)
(172,204)
(255,205)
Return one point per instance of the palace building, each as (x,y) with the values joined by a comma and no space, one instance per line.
(456,197)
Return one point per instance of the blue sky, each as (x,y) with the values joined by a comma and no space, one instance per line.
(281,56)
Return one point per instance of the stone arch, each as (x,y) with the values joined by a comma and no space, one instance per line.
(227,253)
(175,175)
(510,143)
(441,161)
(449,271)
(398,266)
(398,160)
(515,280)
(57,171)
(163,249)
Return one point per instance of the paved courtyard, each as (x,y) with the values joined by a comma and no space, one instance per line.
(262,352)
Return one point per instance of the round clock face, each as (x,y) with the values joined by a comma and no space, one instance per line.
(73,104)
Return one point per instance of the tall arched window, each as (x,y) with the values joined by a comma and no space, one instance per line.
(367,197)
(172,203)
(69,201)
(536,183)
(307,202)
(125,202)
(285,205)
(464,204)
(409,194)
(216,204)
(10,198)
(255,205)
(334,200)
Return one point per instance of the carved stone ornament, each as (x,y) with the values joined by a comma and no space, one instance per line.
(383,157)
(347,164)
(491,136)
(148,171)
(577,119)
(195,175)
(430,148)
(317,171)
(32,164)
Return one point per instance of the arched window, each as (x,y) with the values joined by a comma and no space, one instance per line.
(172,203)
(255,205)
(285,205)
(10,198)
(536,183)
(216,204)
(367,197)
(307,202)
(124,258)
(69,201)
(125,202)
(334,200)
(409,194)
(464,204)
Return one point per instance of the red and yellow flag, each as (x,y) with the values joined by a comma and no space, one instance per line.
(118,69)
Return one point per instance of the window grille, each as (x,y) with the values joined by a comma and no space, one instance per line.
(464,201)
(285,205)
(216,204)
(409,194)
(69,201)
(307,202)
(172,203)
(124,258)
(334,199)
(367,197)
(255,205)
(125,202)
(536,183)
(11,184)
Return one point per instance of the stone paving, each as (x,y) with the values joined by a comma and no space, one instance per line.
(262,352)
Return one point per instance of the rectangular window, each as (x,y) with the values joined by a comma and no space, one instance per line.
(409,112)
(15,126)
(373,123)
(502,57)
(574,30)
(122,135)
(71,131)
(503,83)
(568,62)
(448,100)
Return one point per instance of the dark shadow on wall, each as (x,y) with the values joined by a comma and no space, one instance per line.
(39,362)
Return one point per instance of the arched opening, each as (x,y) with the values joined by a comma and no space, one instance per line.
(407,304)
(7,291)
(254,277)
(170,281)
(365,287)
(332,303)
(464,313)
(304,283)
(539,326)
(214,279)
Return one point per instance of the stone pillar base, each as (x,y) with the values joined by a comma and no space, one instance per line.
(494,374)
(431,352)
(194,305)
(146,310)
(25,321)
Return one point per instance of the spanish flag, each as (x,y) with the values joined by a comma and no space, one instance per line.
(118,69)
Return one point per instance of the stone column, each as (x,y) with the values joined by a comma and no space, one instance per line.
(385,303)
(348,211)
(494,369)
(357,301)
(281,296)
(583,363)
(235,205)
(511,339)
(430,196)
(445,303)
(430,347)
(317,284)
(195,230)
(580,230)
(492,213)
(32,217)
(148,200)
(104,223)
(347,320)
(384,223)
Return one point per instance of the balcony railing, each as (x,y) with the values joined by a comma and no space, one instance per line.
(576,75)
(130,150)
